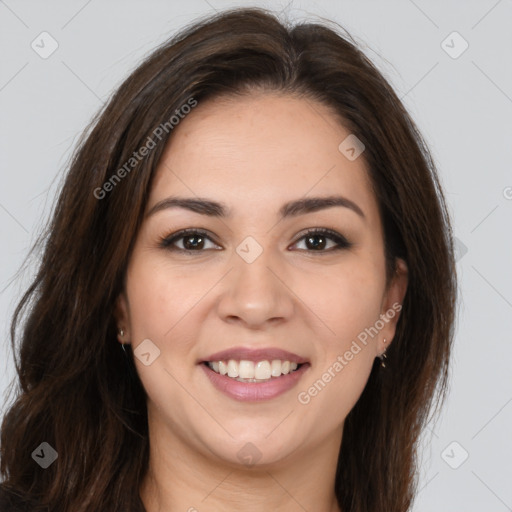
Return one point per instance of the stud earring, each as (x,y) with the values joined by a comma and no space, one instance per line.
(121,332)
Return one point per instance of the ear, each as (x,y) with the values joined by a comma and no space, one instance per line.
(122,318)
(392,305)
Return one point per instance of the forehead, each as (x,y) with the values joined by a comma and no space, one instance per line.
(258,148)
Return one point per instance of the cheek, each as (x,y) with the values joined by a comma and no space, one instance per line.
(346,300)
(162,301)
(348,303)
(345,356)
(161,298)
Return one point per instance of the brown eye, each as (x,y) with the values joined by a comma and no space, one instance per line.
(317,240)
(191,241)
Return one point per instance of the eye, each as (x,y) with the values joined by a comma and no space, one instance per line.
(193,241)
(316,240)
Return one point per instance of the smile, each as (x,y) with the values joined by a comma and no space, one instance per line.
(233,378)
(250,371)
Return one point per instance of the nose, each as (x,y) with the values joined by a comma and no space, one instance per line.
(256,294)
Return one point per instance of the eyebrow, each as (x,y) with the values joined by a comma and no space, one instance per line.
(290,209)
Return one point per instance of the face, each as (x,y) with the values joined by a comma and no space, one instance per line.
(258,281)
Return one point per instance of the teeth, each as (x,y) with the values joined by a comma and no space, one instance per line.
(245,369)
(248,371)
(262,370)
(275,368)
(232,368)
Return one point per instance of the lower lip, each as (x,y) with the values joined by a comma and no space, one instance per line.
(254,391)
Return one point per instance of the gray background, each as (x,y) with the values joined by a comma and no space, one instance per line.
(462,105)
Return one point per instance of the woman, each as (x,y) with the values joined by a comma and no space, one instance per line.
(246,298)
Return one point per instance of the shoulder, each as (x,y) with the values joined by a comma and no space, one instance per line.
(10,501)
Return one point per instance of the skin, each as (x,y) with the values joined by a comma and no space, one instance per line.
(254,153)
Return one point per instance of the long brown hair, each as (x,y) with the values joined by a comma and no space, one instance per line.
(76,392)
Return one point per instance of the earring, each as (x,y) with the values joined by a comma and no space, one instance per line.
(121,333)
(383,357)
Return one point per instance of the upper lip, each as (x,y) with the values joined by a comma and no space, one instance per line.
(255,355)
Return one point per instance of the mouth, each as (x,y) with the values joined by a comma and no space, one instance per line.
(254,372)
(254,375)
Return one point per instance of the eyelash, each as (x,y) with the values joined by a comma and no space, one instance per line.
(342,243)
